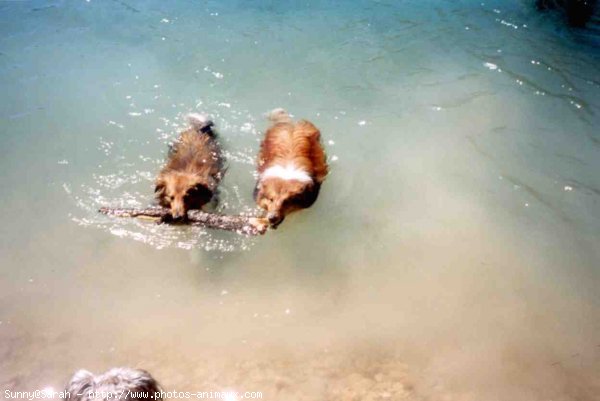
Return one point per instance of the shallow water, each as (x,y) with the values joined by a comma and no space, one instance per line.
(453,252)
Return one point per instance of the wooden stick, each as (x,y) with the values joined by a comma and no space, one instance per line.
(239,224)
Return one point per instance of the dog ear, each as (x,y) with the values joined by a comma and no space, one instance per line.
(256,192)
(133,380)
(306,197)
(146,383)
(159,189)
(80,384)
(198,195)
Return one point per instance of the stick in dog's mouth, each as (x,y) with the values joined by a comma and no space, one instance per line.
(240,224)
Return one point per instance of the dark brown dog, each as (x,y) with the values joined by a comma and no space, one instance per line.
(291,167)
(193,171)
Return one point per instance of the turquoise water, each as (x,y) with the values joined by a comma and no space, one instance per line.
(453,253)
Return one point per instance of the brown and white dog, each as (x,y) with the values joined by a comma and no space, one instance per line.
(193,170)
(291,167)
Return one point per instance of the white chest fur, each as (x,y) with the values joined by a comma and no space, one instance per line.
(288,173)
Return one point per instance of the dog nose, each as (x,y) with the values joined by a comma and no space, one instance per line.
(178,214)
(274,219)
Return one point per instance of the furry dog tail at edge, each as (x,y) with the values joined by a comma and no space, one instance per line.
(200,123)
(279,115)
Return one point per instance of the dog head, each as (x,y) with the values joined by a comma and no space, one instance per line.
(181,192)
(280,197)
(131,384)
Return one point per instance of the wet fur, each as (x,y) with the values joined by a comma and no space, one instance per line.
(117,383)
(289,144)
(193,171)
